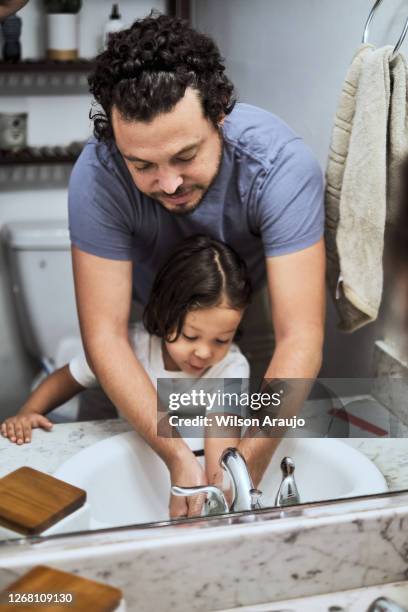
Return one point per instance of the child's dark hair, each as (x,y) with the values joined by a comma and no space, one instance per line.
(199,273)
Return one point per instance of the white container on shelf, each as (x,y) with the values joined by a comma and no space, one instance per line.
(62,36)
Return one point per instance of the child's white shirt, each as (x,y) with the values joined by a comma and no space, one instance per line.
(148,350)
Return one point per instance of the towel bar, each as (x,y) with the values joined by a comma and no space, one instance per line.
(367,26)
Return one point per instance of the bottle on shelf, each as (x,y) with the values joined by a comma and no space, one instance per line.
(11,35)
(114,24)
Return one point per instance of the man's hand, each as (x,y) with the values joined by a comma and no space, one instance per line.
(186,472)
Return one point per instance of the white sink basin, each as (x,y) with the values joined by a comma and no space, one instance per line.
(127,483)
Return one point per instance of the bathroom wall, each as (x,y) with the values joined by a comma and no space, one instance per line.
(290,57)
(53,120)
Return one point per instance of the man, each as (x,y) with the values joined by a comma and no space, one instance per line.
(174,157)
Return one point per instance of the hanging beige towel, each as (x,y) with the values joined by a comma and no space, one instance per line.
(397,133)
(356,192)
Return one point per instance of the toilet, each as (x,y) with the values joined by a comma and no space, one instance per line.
(39,259)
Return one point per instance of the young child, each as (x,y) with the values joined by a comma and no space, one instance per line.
(195,307)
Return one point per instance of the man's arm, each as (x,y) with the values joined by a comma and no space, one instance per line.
(103,292)
(296,284)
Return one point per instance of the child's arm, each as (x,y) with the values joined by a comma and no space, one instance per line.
(56,389)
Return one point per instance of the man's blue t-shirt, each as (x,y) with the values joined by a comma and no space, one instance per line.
(266,200)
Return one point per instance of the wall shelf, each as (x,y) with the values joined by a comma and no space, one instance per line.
(45,77)
(41,155)
(38,167)
(44,65)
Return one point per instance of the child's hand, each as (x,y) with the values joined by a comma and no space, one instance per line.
(187,473)
(18,428)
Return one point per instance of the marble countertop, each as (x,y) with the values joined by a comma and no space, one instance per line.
(238,564)
(317,553)
(48,450)
(390,455)
(355,600)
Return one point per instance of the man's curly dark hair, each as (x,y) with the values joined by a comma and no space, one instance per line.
(146,69)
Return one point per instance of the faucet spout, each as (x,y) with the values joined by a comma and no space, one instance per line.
(245,497)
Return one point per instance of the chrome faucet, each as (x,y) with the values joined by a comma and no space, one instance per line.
(244,495)
(288,493)
(215,503)
(383,604)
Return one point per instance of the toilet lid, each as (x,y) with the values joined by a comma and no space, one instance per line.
(32,235)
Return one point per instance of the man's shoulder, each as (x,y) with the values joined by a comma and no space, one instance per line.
(97,154)
(256,132)
(100,172)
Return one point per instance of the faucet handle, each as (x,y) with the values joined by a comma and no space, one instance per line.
(383,604)
(287,466)
(288,493)
(216,502)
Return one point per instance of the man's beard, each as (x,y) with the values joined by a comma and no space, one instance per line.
(188,209)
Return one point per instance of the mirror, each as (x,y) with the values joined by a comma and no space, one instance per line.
(347,433)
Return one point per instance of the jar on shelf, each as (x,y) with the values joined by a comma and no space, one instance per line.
(62,29)
(13,131)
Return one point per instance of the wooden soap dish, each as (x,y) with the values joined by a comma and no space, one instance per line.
(80,594)
(31,501)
